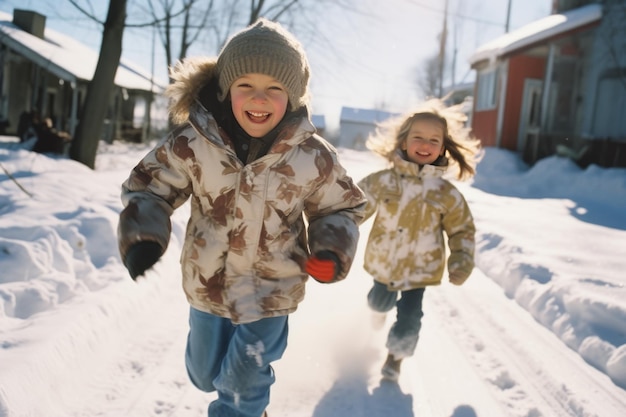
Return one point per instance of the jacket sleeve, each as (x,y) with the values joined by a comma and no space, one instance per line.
(155,188)
(367,184)
(334,211)
(458,224)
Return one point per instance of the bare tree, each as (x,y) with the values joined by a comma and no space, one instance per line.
(183,21)
(86,137)
(85,143)
(428,77)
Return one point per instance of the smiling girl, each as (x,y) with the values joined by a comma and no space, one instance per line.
(414,207)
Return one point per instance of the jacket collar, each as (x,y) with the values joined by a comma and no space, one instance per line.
(291,135)
(411,169)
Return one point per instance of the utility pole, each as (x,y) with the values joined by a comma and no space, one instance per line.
(442,48)
(508,17)
(454,54)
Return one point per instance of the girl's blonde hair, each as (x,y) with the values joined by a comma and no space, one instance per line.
(461,147)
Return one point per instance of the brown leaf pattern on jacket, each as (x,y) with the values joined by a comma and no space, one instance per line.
(181,148)
(211,290)
(238,240)
(222,207)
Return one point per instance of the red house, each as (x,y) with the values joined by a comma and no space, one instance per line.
(557,85)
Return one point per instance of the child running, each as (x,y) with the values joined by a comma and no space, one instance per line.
(414,206)
(270,204)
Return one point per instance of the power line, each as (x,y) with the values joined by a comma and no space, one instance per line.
(459,15)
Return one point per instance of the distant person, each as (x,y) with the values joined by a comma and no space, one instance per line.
(270,204)
(414,206)
(26,124)
(50,140)
(4,125)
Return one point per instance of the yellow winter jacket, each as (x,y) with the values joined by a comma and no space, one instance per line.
(406,247)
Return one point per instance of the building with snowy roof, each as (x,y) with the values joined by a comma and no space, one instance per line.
(557,85)
(356,125)
(46,72)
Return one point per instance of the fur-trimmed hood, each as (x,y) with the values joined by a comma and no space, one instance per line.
(188,77)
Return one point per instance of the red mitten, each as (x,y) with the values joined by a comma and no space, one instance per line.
(323,267)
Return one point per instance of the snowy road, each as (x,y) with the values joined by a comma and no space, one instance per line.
(78,338)
(480,354)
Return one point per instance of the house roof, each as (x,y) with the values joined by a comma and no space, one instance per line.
(350,114)
(537,31)
(67,58)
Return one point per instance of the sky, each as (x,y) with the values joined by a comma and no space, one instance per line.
(366,59)
(538,330)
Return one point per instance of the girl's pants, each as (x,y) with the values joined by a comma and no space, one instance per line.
(234,360)
(404,333)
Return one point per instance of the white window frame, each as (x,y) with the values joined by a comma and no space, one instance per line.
(486,93)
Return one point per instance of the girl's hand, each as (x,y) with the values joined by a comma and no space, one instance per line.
(457,278)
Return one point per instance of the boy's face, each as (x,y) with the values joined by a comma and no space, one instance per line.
(259,103)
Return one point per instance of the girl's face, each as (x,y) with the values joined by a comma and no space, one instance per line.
(424,142)
(259,103)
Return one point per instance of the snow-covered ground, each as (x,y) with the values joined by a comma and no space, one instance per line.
(539,330)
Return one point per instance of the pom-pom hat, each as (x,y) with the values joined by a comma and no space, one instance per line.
(265,48)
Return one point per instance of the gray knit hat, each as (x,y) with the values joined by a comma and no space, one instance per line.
(265,48)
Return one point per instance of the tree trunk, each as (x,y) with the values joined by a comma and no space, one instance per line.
(85,143)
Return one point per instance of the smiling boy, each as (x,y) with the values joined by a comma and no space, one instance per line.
(270,205)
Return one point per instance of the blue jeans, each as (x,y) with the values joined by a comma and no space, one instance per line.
(404,333)
(234,360)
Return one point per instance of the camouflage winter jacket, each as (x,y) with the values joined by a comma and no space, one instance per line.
(406,247)
(251,226)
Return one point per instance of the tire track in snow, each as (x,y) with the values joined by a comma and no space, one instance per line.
(479,352)
(544,369)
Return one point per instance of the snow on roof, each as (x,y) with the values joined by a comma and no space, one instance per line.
(67,58)
(350,114)
(537,31)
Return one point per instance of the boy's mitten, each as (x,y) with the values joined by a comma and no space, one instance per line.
(323,266)
(141,256)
